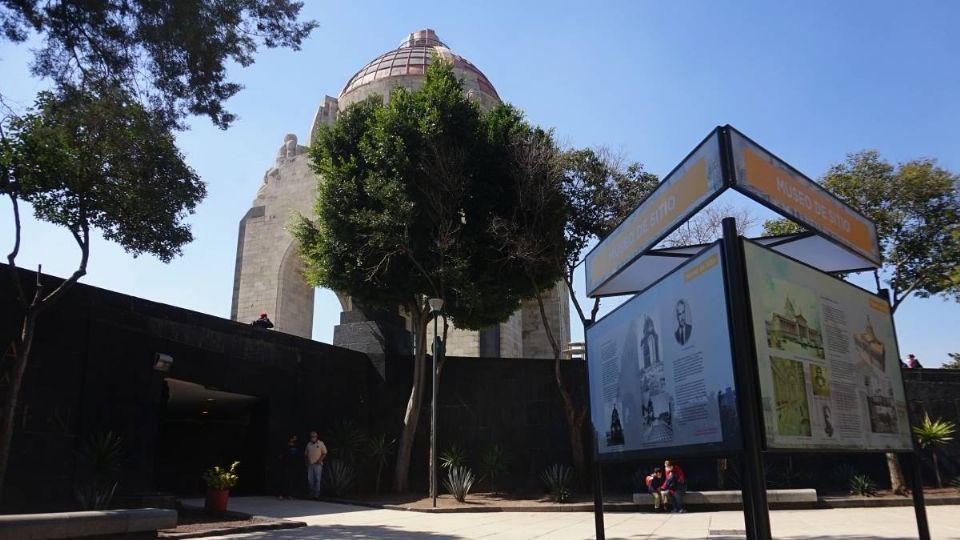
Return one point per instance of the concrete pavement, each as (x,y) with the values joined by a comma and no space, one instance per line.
(336,521)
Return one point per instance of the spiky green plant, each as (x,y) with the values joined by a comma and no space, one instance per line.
(346,440)
(862,485)
(558,479)
(340,475)
(379,448)
(218,477)
(458,482)
(455,456)
(933,434)
(955,483)
(99,459)
(493,465)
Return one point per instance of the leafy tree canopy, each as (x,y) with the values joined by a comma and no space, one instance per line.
(916,209)
(409,194)
(172,55)
(96,158)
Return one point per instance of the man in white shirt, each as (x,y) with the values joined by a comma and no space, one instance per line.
(314,454)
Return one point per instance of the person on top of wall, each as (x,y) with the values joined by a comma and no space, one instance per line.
(654,481)
(674,487)
(263,321)
(913,362)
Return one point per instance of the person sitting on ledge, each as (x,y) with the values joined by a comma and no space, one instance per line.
(654,481)
(674,487)
(263,321)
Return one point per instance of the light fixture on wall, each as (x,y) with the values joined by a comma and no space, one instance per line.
(162,362)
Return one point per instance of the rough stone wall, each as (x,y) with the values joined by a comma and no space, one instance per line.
(511,336)
(557,306)
(269,271)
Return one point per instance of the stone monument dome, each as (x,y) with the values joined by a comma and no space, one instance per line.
(404,66)
(268,272)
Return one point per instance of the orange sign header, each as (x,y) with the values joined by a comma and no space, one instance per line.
(681,193)
(766,178)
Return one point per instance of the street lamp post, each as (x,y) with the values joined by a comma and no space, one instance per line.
(436,306)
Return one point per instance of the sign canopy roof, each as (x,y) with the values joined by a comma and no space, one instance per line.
(839,239)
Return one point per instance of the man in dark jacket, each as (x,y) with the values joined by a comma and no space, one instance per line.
(263,321)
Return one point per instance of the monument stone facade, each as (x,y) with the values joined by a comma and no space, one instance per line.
(268,275)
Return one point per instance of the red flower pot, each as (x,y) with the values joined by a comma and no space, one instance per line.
(216,500)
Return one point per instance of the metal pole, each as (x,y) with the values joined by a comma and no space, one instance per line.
(433,417)
(597,492)
(919,506)
(755,510)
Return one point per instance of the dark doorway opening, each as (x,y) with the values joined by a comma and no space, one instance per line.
(201,427)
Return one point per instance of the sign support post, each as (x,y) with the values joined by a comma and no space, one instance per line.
(755,510)
(597,491)
(916,490)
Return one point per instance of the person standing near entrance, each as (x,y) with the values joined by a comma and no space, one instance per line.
(290,469)
(314,454)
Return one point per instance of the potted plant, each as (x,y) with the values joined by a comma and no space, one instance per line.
(219,481)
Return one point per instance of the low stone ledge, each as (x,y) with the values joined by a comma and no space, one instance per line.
(132,523)
(735,497)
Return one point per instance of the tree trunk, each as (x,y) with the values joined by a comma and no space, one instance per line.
(936,467)
(897,483)
(22,355)
(412,415)
(574,417)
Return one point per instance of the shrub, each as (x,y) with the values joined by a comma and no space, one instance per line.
(955,483)
(558,479)
(862,485)
(493,465)
(458,482)
(379,448)
(455,456)
(98,462)
(218,477)
(340,476)
(933,434)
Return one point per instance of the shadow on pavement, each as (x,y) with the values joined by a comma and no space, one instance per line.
(346,532)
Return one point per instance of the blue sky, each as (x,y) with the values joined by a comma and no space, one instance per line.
(810,81)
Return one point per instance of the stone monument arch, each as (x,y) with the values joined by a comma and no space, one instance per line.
(268,273)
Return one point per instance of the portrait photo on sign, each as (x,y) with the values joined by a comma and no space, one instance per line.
(684,328)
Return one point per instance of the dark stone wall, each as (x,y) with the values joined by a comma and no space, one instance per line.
(92,370)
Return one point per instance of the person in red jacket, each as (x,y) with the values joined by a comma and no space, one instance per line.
(674,487)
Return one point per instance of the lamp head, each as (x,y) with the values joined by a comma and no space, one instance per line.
(436,304)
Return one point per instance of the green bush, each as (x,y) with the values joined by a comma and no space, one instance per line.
(862,485)
(98,464)
(218,477)
(458,482)
(955,483)
(558,479)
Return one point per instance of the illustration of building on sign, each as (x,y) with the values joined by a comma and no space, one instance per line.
(791,327)
(872,351)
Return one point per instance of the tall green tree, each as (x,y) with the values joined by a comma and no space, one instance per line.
(125,75)
(407,192)
(89,159)
(597,192)
(173,56)
(916,209)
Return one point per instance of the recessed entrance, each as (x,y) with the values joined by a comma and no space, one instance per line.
(201,427)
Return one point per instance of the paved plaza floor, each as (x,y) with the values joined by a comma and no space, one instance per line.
(337,521)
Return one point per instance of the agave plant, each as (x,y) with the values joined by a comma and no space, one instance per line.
(379,448)
(493,465)
(862,485)
(455,456)
(458,482)
(340,476)
(955,483)
(99,460)
(558,479)
(346,440)
(933,434)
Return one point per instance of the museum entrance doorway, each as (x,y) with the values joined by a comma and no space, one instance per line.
(200,428)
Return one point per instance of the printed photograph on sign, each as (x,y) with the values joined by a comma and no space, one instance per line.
(828,363)
(661,374)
